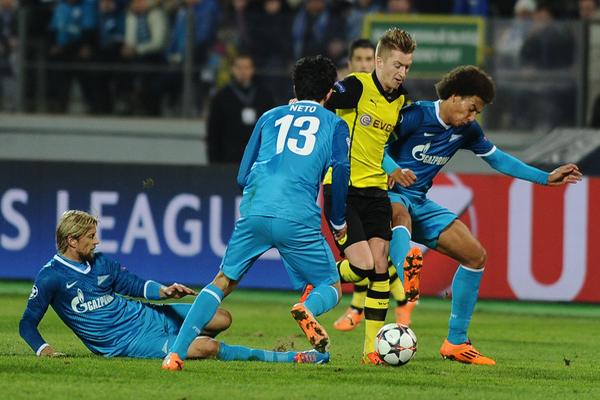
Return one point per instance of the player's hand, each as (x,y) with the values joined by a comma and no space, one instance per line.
(403,177)
(176,291)
(568,173)
(48,351)
(340,235)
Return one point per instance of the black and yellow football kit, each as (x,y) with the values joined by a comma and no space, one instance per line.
(371,115)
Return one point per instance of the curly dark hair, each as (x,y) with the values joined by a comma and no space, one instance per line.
(467,80)
(313,77)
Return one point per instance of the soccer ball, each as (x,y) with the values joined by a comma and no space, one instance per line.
(396,344)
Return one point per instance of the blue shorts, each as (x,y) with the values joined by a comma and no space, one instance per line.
(305,253)
(161,326)
(429,219)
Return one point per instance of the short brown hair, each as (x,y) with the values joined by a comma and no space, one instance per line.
(467,80)
(73,223)
(395,39)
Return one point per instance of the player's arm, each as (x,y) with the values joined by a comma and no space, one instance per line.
(41,295)
(340,177)
(129,284)
(346,94)
(250,153)
(409,121)
(512,166)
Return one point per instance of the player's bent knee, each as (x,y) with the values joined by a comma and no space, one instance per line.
(478,260)
(203,347)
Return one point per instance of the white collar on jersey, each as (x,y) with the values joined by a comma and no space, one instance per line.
(437,114)
(71,264)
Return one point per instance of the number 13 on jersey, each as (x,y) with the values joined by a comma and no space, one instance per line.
(310,125)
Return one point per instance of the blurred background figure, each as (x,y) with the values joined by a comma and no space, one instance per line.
(399,6)
(510,41)
(145,40)
(233,112)
(589,9)
(8,47)
(111,34)
(202,18)
(73,24)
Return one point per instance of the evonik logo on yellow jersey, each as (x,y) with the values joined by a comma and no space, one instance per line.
(366,120)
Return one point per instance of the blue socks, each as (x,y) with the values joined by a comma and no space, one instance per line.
(465,288)
(202,311)
(322,299)
(241,353)
(399,247)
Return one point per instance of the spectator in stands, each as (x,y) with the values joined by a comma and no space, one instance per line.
(399,6)
(233,112)
(8,47)
(589,9)
(74,25)
(359,9)
(471,7)
(111,34)
(550,45)
(145,39)
(270,37)
(511,41)
(311,30)
(205,19)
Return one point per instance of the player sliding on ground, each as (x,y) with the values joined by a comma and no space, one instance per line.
(285,159)
(429,134)
(85,289)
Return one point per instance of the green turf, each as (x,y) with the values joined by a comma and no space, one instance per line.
(542,350)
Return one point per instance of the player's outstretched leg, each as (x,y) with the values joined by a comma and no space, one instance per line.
(457,347)
(242,353)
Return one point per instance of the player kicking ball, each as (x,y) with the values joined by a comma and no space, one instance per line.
(429,134)
(287,155)
(85,289)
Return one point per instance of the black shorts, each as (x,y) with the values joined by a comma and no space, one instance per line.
(368,214)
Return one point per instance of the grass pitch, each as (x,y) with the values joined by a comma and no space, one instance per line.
(542,351)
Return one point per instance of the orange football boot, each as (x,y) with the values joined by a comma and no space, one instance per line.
(350,320)
(372,358)
(464,353)
(172,362)
(315,333)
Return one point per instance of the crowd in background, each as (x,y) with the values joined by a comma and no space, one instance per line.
(128,56)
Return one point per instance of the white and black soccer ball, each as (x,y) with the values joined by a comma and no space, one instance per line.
(396,344)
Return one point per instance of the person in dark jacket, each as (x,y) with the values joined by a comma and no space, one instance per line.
(233,112)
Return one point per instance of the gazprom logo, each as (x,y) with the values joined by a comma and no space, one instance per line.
(419,153)
(80,306)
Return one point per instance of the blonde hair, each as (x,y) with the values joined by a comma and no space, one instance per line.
(395,39)
(73,223)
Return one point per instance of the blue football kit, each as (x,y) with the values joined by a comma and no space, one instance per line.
(424,143)
(88,298)
(290,150)
(286,158)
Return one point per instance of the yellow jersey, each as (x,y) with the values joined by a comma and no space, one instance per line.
(371,115)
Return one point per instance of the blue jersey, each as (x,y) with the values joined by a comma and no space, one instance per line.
(290,150)
(87,299)
(425,144)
